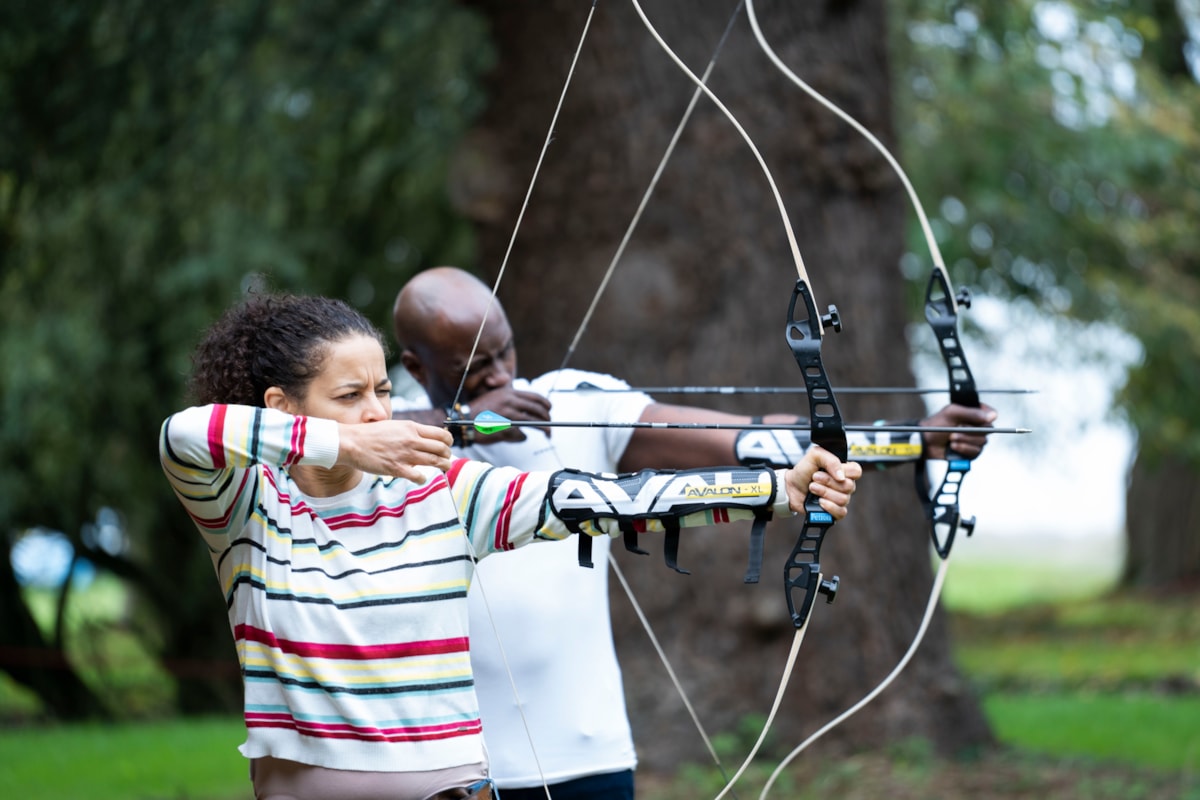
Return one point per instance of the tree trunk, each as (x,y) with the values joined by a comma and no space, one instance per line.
(701,297)
(37,664)
(1161,523)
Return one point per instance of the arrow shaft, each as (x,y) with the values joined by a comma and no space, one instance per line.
(727,426)
(779,390)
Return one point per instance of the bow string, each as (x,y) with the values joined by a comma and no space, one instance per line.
(804,330)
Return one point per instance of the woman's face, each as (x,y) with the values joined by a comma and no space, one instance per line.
(351,387)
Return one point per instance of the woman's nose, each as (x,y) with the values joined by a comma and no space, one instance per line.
(377,408)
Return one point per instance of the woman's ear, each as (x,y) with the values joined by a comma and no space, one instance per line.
(275,398)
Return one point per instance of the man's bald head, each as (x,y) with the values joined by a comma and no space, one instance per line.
(437,299)
(436,318)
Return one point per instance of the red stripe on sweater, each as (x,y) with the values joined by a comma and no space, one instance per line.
(326,731)
(504,522)
(352,652)
(455,468)
(299,428)
(414,495)
(219,523)
(216,438)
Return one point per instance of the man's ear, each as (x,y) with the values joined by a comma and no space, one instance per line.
(413,364)
(275,398)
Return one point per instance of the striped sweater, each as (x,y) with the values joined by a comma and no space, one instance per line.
(349,612)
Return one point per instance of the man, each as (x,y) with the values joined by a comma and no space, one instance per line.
(582,746)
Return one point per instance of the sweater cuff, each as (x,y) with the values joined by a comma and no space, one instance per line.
(321,442)
(781,507)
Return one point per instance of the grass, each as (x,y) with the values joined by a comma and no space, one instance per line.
(1110,642)
(999,579)
(1069,667)
(196,759)
(1094,695)
(909,771)
(1160,731)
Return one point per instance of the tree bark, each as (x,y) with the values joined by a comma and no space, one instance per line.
(701,297)
(1163,550)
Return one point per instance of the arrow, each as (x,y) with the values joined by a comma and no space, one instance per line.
(489,422)
(585,387)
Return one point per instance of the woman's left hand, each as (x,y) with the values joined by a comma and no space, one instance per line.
(821,473)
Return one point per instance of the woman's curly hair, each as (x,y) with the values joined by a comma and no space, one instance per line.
(271,340)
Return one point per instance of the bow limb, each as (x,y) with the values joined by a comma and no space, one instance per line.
(941,311)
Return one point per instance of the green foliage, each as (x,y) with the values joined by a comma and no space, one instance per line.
(158,159)
(1061,163)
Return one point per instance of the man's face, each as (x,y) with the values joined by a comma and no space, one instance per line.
(448,357)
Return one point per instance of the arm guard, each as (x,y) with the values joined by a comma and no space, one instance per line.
(784,447)
(663,499)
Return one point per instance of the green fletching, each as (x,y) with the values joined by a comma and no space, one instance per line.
(488,422)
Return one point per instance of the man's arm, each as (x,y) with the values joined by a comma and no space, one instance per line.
(657,448)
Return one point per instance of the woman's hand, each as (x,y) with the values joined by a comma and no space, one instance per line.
(821,473)
(394,447)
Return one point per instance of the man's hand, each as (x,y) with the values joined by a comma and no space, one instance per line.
(394,447)
(830,480)
(515,405)
(968,445)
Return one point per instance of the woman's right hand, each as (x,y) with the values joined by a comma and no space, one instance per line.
(394,447)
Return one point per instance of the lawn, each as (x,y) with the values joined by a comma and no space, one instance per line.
(195,759)
(1093,694)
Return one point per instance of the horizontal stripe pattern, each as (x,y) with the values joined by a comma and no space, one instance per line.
(349,613)
(332,601)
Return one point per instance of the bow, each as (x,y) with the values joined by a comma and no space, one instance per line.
(941,312)
(804,333)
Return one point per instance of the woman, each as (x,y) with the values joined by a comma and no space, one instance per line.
(344,542)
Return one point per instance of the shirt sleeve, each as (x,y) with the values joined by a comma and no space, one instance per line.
(208,454)
(615,402)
